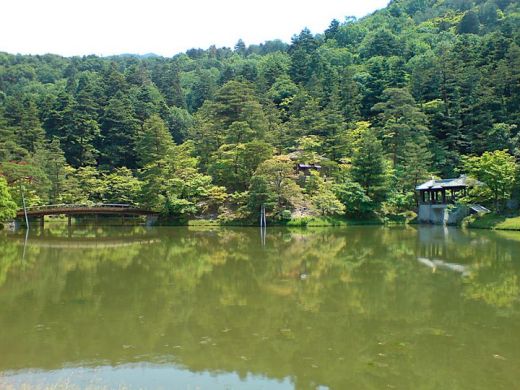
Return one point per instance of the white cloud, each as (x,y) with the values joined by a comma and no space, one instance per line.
(104,27)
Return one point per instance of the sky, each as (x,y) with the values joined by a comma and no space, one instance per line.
(164,27)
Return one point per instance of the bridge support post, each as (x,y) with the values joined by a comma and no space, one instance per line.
(69,221)
(42,222)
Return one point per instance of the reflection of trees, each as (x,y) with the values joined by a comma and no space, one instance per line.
(336,307)
(489,257)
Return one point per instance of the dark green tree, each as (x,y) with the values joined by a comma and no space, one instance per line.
(118,133)
(469,23)
(51,159)
(153,141)
(400,122)
(369,168)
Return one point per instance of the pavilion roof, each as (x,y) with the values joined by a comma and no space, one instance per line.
(438,184)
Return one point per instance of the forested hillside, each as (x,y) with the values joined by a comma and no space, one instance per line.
(380,103)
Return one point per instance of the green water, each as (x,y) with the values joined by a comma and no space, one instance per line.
(174,308)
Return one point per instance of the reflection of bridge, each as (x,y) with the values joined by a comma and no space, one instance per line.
(85,242)
(71,210)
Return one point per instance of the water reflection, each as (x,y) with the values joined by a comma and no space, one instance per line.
(343,308)
(436,264)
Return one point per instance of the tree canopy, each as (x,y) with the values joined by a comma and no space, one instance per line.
(419,88)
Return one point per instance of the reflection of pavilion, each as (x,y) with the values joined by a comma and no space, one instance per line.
(439,248)
(435,264)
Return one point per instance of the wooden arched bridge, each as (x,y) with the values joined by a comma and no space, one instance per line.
(71,210)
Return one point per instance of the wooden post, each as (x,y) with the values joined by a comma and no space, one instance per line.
(263,225)
(42,222)
(69,221)
(24,208)
(263,219)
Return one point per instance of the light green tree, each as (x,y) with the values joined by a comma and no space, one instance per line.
(233,165)
(121,186)
(7,206)
(26,178)
(275,178)
(173,185)
(497,170)
(322,196)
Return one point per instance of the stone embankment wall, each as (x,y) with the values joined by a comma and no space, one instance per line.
(442,214)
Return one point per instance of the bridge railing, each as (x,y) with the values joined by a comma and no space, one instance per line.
(82,206)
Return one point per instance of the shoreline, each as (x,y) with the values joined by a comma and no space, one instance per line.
(493,221)
(483,222)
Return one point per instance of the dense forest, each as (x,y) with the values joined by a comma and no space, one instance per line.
(421,88)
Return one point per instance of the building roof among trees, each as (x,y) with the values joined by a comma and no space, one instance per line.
(309,166)
(461,182)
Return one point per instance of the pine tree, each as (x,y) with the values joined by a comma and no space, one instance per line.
(399,121)
(153,141)
(51,159)
(30,133)
(414,165)
(167,79)
(469,23)
(74,124)
(302,55)
(368,166)
(240,48)
(118,130)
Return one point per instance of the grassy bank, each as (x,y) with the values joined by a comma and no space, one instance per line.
(329,222)
(302,222)
(493,221)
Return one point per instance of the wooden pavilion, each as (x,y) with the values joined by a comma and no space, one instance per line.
(443,191)
(436,198)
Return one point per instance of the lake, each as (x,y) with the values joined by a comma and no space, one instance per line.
(184,308)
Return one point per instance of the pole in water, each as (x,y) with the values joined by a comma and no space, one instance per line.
(263,220)
(24,208)
(25,244)
(263,225)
